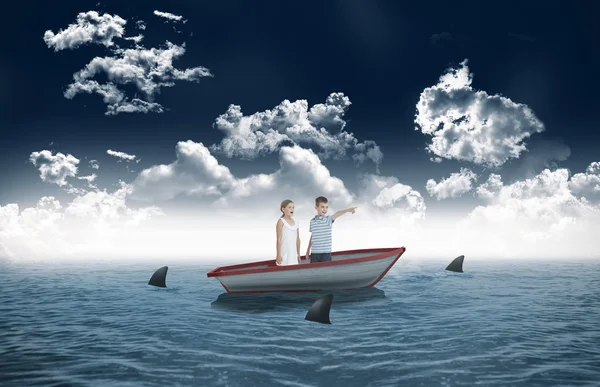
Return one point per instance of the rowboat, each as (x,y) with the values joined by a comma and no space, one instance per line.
(348,270)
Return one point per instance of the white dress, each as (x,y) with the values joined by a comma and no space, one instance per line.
(289,251)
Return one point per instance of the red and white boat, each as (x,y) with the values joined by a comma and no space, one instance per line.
(350,269)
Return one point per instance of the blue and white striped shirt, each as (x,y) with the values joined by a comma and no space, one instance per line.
(320,227)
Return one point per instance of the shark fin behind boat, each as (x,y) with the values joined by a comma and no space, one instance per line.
(159,277)
(319,311)
(457,264)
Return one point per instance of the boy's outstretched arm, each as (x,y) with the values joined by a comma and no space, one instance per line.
(342,212)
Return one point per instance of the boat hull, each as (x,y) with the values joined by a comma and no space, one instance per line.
(352,269)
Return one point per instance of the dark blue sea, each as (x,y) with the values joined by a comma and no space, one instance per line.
(516,323)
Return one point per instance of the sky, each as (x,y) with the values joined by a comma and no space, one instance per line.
(145,131)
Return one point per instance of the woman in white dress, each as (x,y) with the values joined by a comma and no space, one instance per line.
(288,236)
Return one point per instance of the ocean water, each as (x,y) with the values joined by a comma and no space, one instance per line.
(518,323)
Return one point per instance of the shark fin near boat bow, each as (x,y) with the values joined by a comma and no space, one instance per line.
(319,311)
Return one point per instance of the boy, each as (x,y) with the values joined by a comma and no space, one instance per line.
(320,228)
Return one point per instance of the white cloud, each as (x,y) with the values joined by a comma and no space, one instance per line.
(454,186)
(94,164)
(54,168)
(90,28)
(471,125)
(386,208)
(85,227)
(248,206)
(89,179)
(140,24)
(213,214)
(491,187)
(392,200)
(98,222)
(588,183)
(248,137)
(121,155)
(57,169)
(194,172)
(536,217)
(103,205)
(136,39)
(169,16)
(197,173)
(302,177)
(147,69)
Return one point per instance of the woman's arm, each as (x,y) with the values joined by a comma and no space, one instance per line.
(279,229)
(298,242)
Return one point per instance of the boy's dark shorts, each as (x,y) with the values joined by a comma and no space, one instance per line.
(320,257)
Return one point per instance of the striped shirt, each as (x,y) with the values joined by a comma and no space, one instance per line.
(320,227)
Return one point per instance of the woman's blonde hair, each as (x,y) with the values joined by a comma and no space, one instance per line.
(284,204)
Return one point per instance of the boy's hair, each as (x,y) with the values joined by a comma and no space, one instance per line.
(319,200)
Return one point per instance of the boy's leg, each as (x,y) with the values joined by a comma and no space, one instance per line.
(320,257)
(315,257)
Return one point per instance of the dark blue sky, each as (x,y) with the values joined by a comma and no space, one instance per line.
(381,54)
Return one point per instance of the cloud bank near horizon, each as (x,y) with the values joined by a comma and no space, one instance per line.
(550,214)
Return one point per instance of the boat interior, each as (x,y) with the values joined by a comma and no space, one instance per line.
(334,257)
